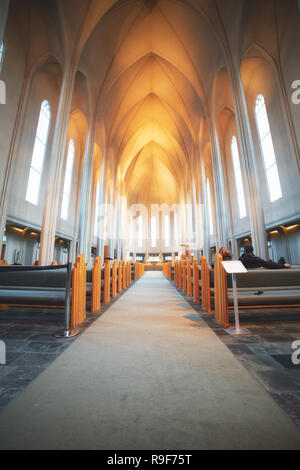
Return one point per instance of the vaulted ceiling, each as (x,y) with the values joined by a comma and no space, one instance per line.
(151,65)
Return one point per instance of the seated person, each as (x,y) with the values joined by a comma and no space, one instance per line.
(226,255)
(250,261)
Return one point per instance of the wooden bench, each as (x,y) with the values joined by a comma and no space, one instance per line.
(38,286)
(279,288)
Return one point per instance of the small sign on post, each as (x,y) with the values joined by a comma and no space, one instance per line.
(233,268)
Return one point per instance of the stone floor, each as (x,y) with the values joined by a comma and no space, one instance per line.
(32,347)
(32,344)
(266,352)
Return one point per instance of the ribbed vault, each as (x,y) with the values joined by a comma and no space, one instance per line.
(151,82)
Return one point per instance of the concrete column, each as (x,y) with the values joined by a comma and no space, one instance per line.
(206,241)
(219,187)
(56,170)
(249,165)
(111,219)
(102,189)
(4,5)
(86,196)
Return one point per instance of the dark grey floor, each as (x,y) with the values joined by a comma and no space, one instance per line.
(266,352)
(32,346)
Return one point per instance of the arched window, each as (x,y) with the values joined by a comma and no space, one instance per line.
(68,181)
(38,154)
(153,230)
(140,231)
(238,177)
(97,209)
(131,230)
(167,230)
(210,217)
(175,229)
(267,149)
(1,54)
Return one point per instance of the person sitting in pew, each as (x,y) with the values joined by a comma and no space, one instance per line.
(250,261)
(226,255)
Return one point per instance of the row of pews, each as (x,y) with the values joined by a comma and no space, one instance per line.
(71,287)
(257,289)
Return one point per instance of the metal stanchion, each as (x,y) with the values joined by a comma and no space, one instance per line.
(68,332)
(234,267)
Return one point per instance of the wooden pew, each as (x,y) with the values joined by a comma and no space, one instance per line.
(183,269)
(106,288)
(167,269)
(189,284)
(41,286)
(78,314)
(120,282)
(280,289)
(96,285)
(124,277)
(114,279)
(196,287)
(139,269)
(205,285)
(220,285)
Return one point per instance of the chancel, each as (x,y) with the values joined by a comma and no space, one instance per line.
(142,144)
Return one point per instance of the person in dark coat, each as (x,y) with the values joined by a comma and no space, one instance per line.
(250,261)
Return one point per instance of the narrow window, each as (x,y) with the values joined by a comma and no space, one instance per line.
(175,229)
(267,149)
(153,230)
(38,154)
(210,217)
(97,209)
(167,230)
(140,231)
(131,230)
(1,54)
(68,181)
(238,177)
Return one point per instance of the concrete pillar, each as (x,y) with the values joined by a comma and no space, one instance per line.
(219,187)
(206,241)
(86,196)
(102,200)
(56,168)
(248,163)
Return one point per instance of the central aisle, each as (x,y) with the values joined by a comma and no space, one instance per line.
(148,374)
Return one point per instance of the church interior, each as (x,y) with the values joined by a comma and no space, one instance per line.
(144,143)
